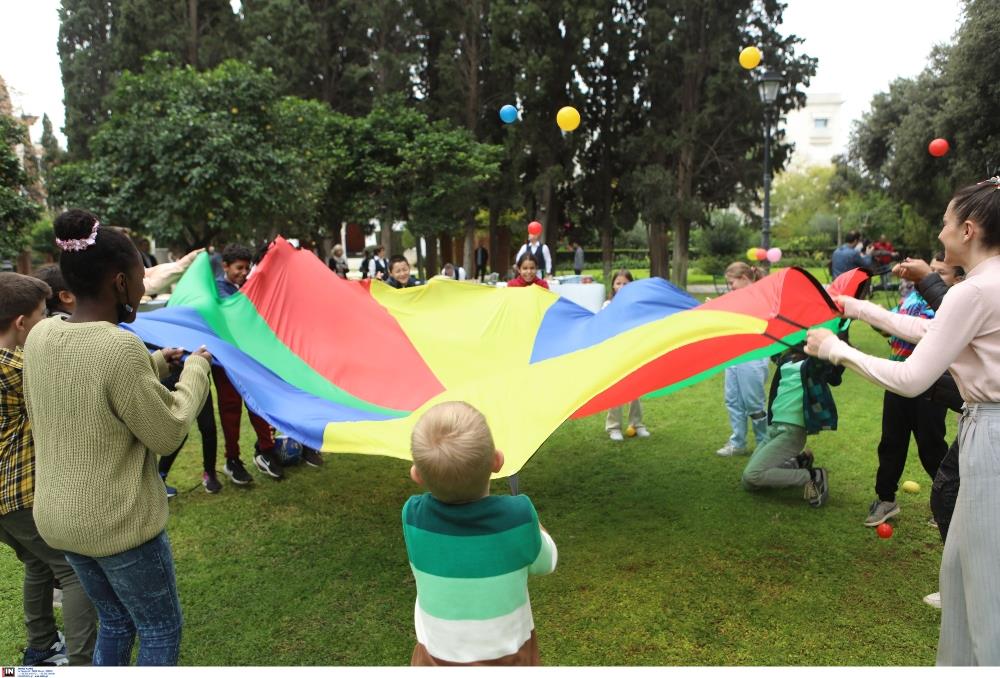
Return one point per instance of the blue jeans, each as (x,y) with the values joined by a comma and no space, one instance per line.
(745,400)
(134,591)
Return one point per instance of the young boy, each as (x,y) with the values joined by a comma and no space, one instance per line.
(236,262)
(925,419)
(399,273)
(470,553)
(61,301)
(22,306)
(800,404)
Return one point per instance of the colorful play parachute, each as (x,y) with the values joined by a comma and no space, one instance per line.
(349,367)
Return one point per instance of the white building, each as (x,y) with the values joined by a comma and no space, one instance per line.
(819,130)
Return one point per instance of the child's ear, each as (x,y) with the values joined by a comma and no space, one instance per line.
(497,461)
(66,297)
(415,475)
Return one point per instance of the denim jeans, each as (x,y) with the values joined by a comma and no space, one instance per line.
(745,400)
(134,592)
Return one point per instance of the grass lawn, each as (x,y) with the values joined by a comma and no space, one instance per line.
(664,559)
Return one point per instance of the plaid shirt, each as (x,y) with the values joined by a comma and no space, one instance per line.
(914,305)
(17,452)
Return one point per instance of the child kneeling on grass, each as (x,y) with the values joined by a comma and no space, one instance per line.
(800,404)
(470,553)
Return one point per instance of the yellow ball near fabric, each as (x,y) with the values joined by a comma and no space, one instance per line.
(911,486)
(750,57)
(630,432)
(568,118)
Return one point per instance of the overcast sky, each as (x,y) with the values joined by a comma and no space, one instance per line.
(862,46)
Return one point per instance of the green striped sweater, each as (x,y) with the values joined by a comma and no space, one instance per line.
(471,563)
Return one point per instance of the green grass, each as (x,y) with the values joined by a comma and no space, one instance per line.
(664,559)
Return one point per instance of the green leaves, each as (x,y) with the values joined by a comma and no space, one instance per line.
(953,98)
(17,210)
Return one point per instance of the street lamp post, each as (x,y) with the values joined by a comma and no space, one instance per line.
(768,85)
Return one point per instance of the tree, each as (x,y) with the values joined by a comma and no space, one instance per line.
(52,154)
(701,145)
(17,211)
(100,39)
(608,77)
(406,168)
(889,144)
(194,157)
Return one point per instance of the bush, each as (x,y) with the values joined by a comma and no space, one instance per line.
(724,236)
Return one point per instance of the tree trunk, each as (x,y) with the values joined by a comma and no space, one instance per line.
(501,257)
(544,208)
(658,250)
(446,249)
(494,247)
(385,235)
(607,250)
(680,220)
(193,37)
(431,262)
(470,243)
(421,262)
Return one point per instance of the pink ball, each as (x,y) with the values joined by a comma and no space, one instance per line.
(774,255)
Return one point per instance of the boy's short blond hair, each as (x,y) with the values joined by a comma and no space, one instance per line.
(453,451)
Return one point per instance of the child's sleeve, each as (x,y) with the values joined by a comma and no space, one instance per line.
(906,327)
(547,556)
(157,416)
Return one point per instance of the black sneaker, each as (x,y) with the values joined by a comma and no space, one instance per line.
(312,457)
(237,472)
(211,483)
(818,489)
(53,655)
(269,464)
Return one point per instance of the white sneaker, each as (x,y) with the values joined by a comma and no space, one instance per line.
(641,432)
(728,450)
(933,599)
(616,435)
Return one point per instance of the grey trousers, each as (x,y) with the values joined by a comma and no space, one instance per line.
(970,567)
(784,441)
(614,420)
(42,564)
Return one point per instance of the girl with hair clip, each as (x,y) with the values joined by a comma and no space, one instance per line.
(963,338)
(100,418)
(744,390)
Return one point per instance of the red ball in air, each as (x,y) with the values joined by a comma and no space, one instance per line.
(535,228)
(938,147)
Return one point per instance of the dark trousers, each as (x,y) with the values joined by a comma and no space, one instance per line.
(901,416)
(230,411)
(944,491)
(209,440)
(42,564)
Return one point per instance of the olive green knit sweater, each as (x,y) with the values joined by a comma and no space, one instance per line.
(99,416)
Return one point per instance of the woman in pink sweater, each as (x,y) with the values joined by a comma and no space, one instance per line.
(963,338)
